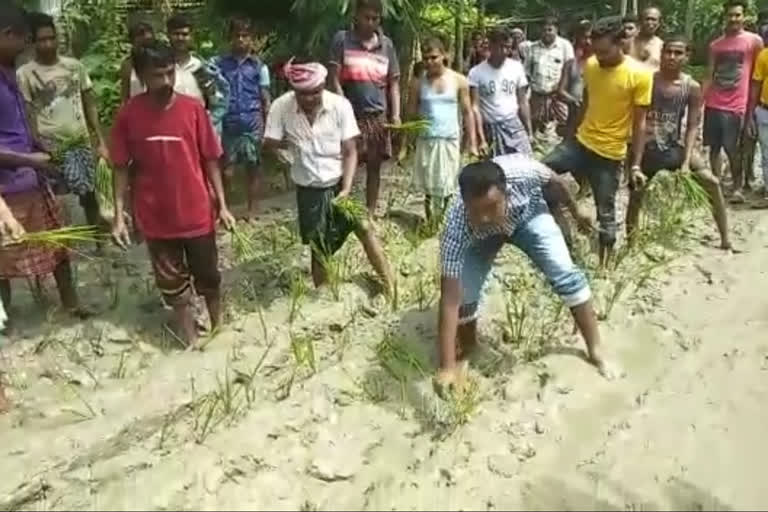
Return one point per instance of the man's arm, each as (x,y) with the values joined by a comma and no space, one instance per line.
(348,165)
(266,103)
(120,185)
(467,116)
(213,171)
(694,121)
(448,321)
(13,159)
(266,97)
(335,63)
(557,192)
(709,75)
(638,135)
(394,100)
(525,108)
(94,125)
(562,87)
(477,117)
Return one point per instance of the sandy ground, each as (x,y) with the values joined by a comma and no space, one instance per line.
(334,409)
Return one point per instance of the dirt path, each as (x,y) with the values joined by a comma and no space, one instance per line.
(110,418)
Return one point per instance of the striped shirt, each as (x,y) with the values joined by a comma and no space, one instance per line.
(364,72)
(526,179)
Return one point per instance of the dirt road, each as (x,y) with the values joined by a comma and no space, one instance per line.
(124,423)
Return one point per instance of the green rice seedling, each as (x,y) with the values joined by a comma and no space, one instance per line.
(243,245)
(333,269)
(228,394)
(120,371)
(691,190)
(104,183)
(398,361)
(352,209)
(299,291)
(416,127)
(66,142)
(63,237)
(206,421)
(303,350)
(165,430)
(91,411)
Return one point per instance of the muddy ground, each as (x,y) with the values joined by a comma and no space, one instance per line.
(322,400)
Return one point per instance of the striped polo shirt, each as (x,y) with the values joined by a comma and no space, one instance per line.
(365,72)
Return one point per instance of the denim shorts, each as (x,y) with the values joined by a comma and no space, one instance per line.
(603,176)
(541,239)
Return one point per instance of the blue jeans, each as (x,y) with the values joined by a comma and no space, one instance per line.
(541,239)
(761,118)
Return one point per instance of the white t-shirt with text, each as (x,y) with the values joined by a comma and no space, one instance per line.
(497,88)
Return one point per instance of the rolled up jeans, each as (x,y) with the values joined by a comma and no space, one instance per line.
(542,241)
(761,119)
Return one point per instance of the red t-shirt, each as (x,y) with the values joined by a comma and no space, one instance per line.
(166,150)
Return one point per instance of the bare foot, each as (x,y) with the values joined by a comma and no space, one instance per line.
(452,380)
(728,247)
(81,313)
(609,370)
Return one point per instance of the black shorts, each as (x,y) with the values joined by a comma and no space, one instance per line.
(321,225)
(184,265)
(669,159)
(722,130)
(603,176)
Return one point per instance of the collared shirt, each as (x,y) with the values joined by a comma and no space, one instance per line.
(14,135)
(525,199)
(544,64)
(247,78)
(365,72)
(316,148)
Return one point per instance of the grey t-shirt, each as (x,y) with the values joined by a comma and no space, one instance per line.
(364,73)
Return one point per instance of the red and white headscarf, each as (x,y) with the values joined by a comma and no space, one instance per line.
(305,77)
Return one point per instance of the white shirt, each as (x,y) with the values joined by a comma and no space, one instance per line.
(316,148)
(186,83)
(497,88)
(544,64)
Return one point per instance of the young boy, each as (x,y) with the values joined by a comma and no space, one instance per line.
(319,129)
(22,186)
(675,95)
(249,102)
(165,144)
(364,67)
(616,98)
(61,103)
(139,34)
(503,201)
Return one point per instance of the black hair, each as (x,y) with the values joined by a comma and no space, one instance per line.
(498,35)
(433,43)
(177,22)
(154,54)
(729,4)
(630,18)
(652,6)
(678,38)
(13,17)
(551,21)
(374,5)
(582,28)
(138,28)
(239,24)
(38,20)
(611,27)
(476,179)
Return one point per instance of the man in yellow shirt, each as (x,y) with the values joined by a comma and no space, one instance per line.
(622,87)
(758,105)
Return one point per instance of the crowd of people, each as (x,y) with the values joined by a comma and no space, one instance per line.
(187,123)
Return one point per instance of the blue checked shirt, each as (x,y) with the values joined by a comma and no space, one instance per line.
(525,199)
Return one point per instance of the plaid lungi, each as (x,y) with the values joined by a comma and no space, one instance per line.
(507,137)
(36,210)
(375,138)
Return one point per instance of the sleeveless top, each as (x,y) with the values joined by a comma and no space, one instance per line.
(441,109)
(667,111)
(575,79)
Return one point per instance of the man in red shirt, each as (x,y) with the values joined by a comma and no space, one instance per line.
(164,144)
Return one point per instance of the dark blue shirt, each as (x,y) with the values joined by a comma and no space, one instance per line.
(247,78)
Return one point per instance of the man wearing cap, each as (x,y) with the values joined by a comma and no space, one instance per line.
(319,129)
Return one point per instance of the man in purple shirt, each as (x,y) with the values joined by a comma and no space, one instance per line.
(249,102)
(22,185)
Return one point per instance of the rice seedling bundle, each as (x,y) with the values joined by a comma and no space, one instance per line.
(416,127)
(63,237)
(65,143)
(693,193)
(104,183)
(352,209)
(243,245)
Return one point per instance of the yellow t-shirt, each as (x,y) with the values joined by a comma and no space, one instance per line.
(612,95)
(761,74)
